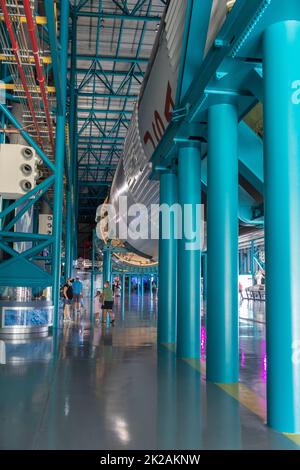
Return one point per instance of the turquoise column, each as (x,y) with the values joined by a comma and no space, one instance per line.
(189,254)
(252,262)
(59,163)
(167,296)
(73,125)
(204,276)
(69,238)
(123,286)
(93,278)
(106,266)
(281,69)
(138,285)
(222,245)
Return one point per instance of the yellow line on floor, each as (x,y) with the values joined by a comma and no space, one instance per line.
(293,437)
(240,392)
(246,397)
(170,346)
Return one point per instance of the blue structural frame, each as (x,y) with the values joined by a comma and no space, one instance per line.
(21,269)
(96,152)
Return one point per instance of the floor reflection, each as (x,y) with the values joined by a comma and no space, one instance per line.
(104,387)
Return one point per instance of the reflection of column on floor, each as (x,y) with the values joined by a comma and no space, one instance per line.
(222,422)
(166,398)
(189,407)
(123,293)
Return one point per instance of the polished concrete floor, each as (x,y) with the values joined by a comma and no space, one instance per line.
(109,388)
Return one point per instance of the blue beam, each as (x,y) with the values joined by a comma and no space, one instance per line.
(95,183)
(73,124)
(107,58)
(109,73)
(196,28)
(108,95)
(104,119)
(59,161)
(51,25)
(104,111)
(26,136)
(99,138)
(118,16)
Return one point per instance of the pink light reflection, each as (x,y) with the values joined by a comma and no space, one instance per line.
(203,340)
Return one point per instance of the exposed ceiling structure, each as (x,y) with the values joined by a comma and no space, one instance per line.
(26,71)
(114,40)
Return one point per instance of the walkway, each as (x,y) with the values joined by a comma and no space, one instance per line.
(108,389)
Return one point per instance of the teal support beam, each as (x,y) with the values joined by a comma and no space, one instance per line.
(26,136)
(3,70)
(142,286)
(139,285)
(56,65)
(195,32)
(119,16)
(106,266)
(69,237)
(93,277)
(123,293)
(73,126)
(189,255)
(108,58)
(252,262)
(204,276)
(167,296)
(123,287)
(222,245)
(281,70)
(59,163)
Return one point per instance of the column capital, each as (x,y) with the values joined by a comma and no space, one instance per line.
(183,142)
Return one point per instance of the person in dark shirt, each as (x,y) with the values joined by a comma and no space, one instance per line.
(68,296)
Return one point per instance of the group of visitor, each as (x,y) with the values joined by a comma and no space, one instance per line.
(72,295)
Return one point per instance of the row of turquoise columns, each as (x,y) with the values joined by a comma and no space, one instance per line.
(282,223)
(59,162)
(180,254)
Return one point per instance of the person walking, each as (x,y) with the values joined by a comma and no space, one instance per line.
(77,291)
(68,297)
(97,305)
(108,302)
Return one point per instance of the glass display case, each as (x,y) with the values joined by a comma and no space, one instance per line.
(25,311)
